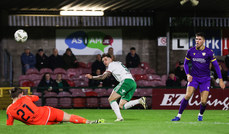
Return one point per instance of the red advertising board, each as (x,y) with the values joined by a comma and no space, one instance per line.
(225,41)
(171,98)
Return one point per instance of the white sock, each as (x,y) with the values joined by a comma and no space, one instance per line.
(200,114)
(179,115)
(131,104)
(115,107)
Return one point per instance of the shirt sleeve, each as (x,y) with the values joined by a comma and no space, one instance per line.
(10,119)
(217,69)
(33,62)
(188,56)
(186,68)
(212,56)
(215,64)
(110,68)
(186,61)
(33,97)
(23,61)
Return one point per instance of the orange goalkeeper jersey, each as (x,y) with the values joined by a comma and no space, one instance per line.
(26,111)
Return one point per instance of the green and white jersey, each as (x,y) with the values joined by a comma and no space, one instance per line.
(119,71)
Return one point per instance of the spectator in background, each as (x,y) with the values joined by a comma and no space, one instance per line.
(132,59)
(55,60)
(213,82)
(227,60)
(97,64)
(110,82)
(96,83)
(60,84)
(28,60)
(41,60)
(111,52)
(70,60)
(47,84)
(224,73)
(173,81)
(214,77)
(180,73)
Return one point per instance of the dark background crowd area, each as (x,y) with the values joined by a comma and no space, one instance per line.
(57,73)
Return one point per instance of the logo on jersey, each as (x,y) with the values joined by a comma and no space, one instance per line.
(201,60)
(203,53)
(194,53)
(123,91)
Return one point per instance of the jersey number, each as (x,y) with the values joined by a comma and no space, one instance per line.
(23,113)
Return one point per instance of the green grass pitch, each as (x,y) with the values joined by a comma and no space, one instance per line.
(136,122)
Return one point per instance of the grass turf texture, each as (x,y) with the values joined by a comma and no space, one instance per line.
(136,122)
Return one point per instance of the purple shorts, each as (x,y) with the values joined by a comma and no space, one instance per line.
(202,82)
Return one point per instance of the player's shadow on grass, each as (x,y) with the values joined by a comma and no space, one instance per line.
(125,119)
(131,119)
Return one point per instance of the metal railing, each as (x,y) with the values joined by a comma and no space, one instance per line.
(76,21)
(218,22)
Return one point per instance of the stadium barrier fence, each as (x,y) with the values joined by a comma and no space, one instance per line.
(157,98)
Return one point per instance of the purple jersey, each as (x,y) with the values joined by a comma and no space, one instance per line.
(200,61)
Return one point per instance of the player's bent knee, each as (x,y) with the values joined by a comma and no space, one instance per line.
(204,102)
(187,97)
(110,99)
(121,106)
(66,117)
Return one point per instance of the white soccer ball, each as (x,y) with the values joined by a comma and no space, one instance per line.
(20,35)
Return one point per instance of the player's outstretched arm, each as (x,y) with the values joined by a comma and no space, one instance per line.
(99,77)
(10,120)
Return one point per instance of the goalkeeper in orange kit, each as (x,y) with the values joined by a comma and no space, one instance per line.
(24,110)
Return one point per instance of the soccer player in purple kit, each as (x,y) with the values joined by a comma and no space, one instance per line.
(199,75)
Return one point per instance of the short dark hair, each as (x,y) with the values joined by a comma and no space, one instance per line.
(181,63)
(43,77)
(15,92)
(106,55)
(201,34)
(132,48)
(171,72)
(39,50)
